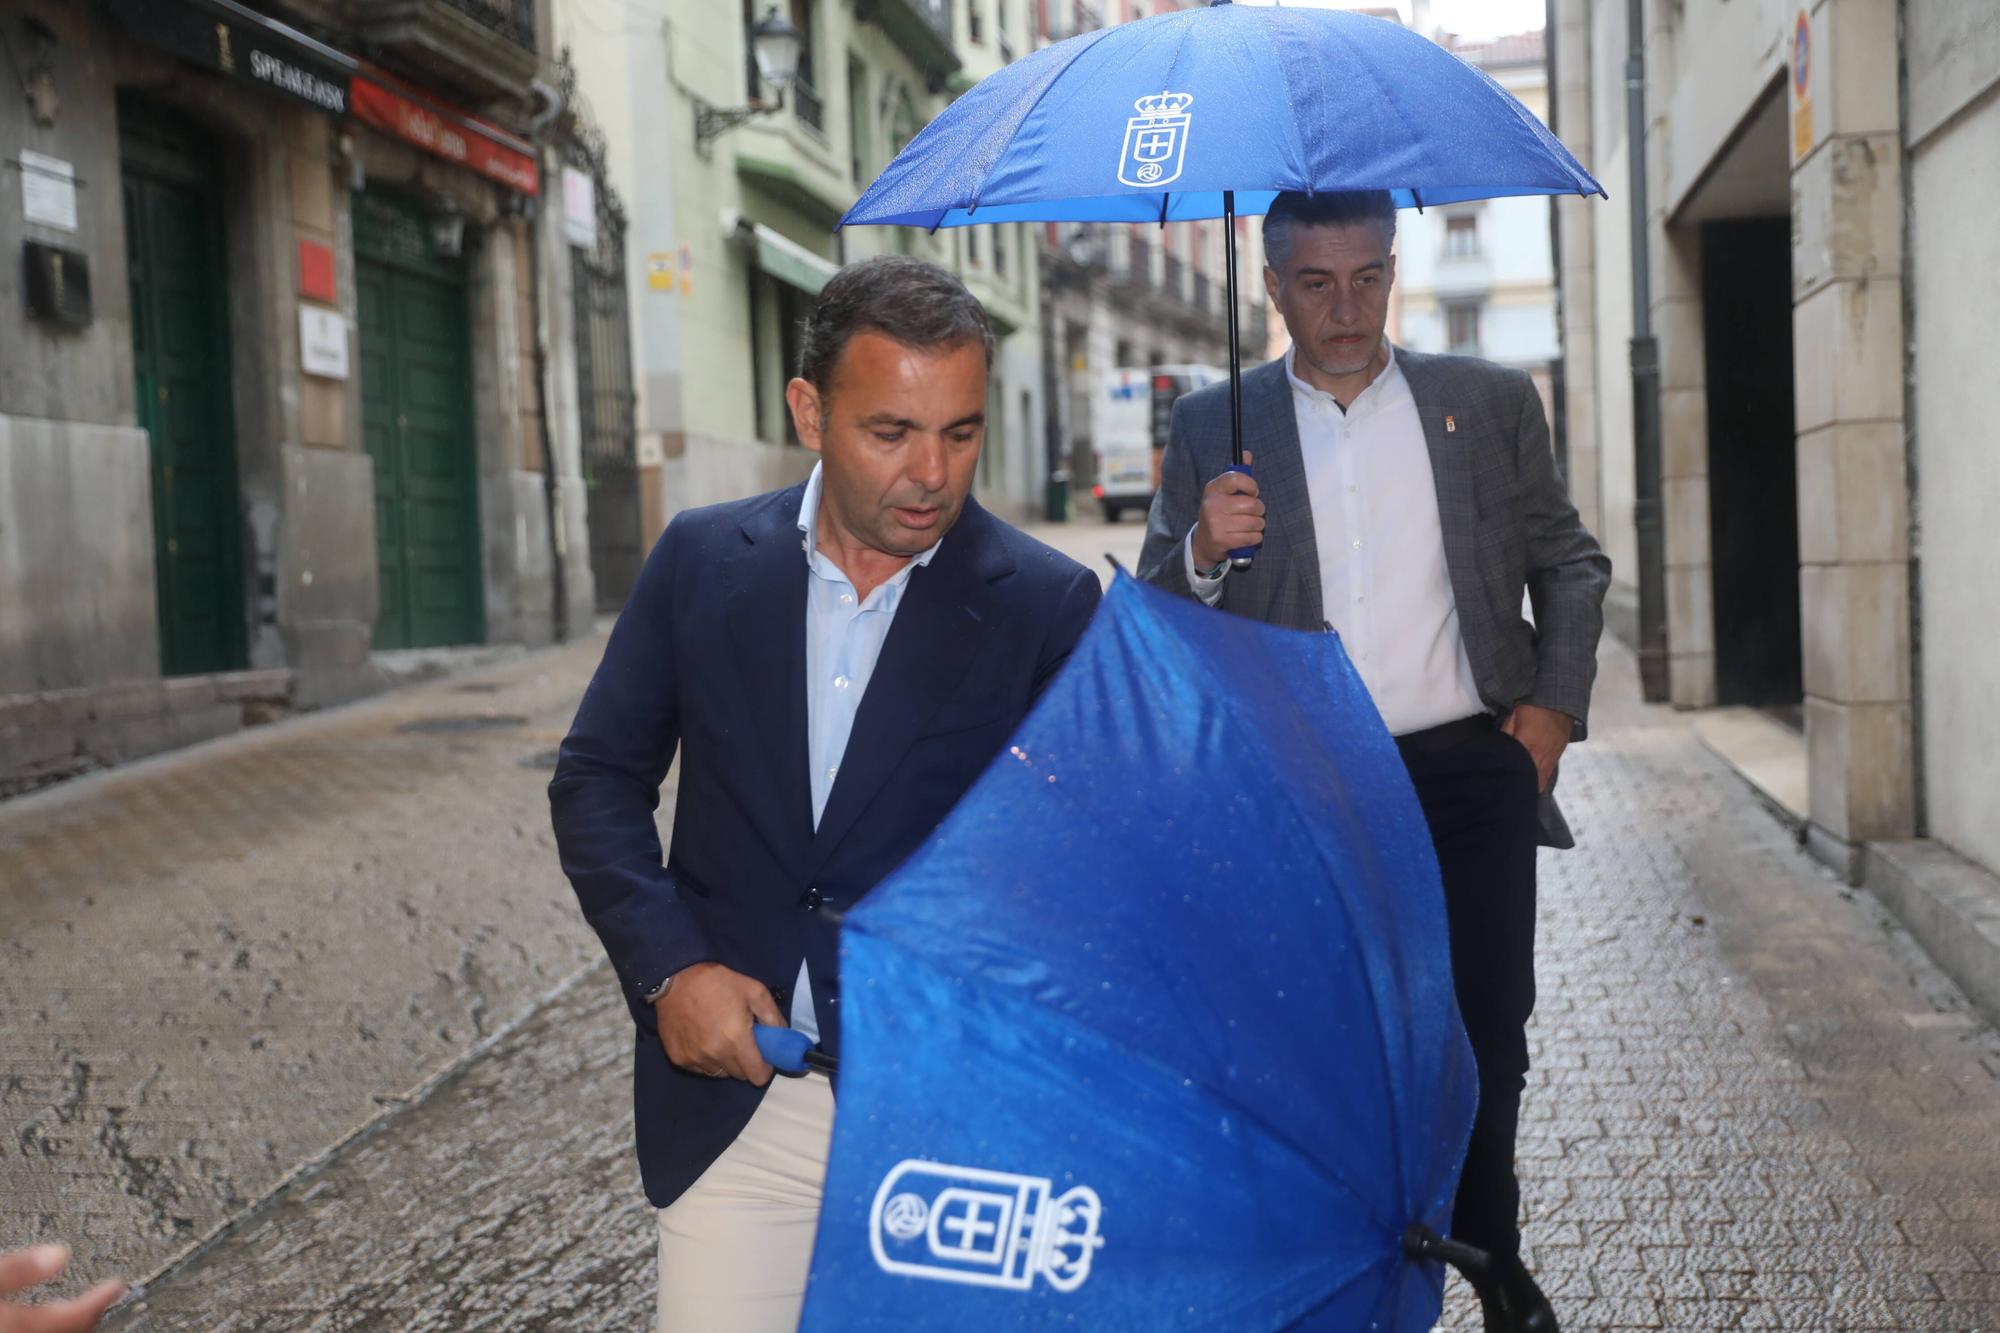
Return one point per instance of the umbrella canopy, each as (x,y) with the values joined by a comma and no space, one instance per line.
(1159,119)
(1158,1030)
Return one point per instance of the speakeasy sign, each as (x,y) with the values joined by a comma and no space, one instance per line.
(243,44)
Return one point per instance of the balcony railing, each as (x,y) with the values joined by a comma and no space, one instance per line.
(1204,299)
(1138,261)
(808,107)
(513,19)
(478,50)
(1170,277)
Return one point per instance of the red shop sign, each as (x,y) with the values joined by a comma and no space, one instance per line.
(455,136)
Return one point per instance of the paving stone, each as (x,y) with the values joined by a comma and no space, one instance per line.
(1730,1124)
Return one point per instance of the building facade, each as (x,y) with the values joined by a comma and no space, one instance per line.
(273,399)
(1479,278)
(1121,296)
(1774,357)
(733,195)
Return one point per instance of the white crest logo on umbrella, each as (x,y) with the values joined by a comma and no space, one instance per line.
(1156,140)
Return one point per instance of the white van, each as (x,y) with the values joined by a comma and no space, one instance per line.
(1133,412)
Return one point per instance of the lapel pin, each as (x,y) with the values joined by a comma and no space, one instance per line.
(1450,425)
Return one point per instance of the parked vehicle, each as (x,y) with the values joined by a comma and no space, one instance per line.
(1134,410)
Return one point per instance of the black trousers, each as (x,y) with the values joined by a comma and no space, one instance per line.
(1479,793)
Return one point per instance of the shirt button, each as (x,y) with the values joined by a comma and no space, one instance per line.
(1357,546)
(847,598)
(840,682)
(1352,489)
(832,773)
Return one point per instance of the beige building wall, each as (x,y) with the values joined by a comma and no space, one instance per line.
(707,330)
(1712,67)
(1954,148)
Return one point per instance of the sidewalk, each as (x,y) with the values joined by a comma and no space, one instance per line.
(220,963)
(1755,1103)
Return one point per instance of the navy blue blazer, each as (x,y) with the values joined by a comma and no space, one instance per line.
(708,658)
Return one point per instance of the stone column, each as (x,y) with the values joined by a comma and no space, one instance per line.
(1576,265)
(1853,494)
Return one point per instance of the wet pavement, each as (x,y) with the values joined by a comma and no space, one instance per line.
(217,965)
(1755,1104)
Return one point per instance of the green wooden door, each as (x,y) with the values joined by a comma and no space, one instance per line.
(180,357)
(416,412)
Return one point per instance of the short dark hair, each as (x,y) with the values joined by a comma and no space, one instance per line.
(913,301)
(1337,208)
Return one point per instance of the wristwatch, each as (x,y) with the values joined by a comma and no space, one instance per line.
(660,993)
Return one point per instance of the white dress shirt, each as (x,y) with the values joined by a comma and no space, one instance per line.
(843,642)
(1382,574)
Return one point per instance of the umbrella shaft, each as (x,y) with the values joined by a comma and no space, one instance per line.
(1235,352)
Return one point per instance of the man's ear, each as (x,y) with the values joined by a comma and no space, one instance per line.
(804,401)
(1271,283)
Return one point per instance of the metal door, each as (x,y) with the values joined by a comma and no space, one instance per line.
(416,413)
(180,360)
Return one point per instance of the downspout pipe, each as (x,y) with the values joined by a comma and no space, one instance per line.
(538,128)
(1645,356)
(1559,368)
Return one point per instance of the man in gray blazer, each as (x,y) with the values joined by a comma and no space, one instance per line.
(1409,502)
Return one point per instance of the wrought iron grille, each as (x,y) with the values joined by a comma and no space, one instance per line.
(606,406)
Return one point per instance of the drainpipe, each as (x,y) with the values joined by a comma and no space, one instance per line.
(552,106)
(1645,380)
(1558,368)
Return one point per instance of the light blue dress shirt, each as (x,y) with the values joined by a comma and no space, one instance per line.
(843,642)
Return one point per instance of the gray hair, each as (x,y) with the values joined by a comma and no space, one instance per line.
(915,302)
(1338,209)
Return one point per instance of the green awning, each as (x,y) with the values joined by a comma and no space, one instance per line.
(786,260)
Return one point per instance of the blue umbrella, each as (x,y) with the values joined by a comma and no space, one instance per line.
(1211,112)
(1158,1030)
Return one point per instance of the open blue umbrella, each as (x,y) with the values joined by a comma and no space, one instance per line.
(1158,1030)
(1211,112)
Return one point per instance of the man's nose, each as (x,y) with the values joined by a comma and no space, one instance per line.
(927,467)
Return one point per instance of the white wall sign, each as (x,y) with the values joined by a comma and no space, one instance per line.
(48,191)
(580,208)
(323,342)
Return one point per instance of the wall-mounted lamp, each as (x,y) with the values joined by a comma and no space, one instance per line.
(447,226)
(777,46)
(38,79)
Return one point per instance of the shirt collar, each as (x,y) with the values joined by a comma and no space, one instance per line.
(1391,375)
(809,528)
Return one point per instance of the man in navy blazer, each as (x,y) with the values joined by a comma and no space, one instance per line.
(834,663)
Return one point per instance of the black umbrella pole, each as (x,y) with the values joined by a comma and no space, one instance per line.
(1475,1264)
(1239,560)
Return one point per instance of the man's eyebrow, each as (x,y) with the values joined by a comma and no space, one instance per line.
(905,423)
(1371,266)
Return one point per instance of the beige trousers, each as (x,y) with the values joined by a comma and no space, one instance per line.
(735,1249)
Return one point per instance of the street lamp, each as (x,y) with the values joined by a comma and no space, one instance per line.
(777,46)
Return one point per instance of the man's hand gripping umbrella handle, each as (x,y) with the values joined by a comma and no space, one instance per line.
(790,1051)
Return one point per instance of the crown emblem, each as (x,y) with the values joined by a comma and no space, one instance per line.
(1163,104)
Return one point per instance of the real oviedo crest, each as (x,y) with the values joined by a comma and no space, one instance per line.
(1156,140)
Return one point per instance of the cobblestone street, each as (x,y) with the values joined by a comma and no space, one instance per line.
(1754,1105)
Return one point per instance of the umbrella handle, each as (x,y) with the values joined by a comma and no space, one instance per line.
(1242,556)
(1474,1264)
(790,1051)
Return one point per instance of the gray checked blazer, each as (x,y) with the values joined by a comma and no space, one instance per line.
(1509,528)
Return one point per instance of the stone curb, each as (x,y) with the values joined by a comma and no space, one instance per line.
(1950,905)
